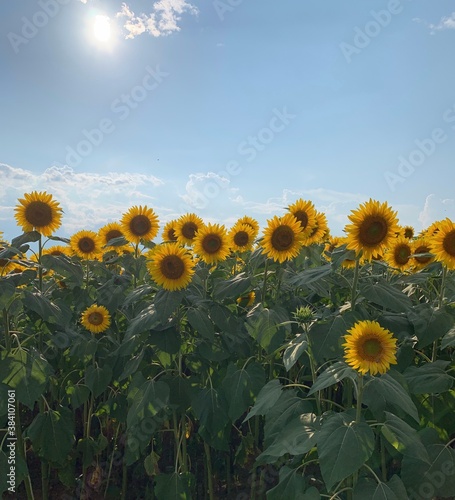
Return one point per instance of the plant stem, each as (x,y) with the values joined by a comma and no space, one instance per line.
(354,283)
(40,268)
(208,459)
(359,399)
(21,447)
(440,304)
(264,284)
(7,333)
(383,463)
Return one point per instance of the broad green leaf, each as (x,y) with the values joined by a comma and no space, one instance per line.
(308,276)
(225,319)
(97,378)
(77,394)
(343,446)
(403,437)
(291,485)
(51,433)
(7,293)
(266,399)
(29,237)
(429,323)
(47,310)
(200,321)
(294,350)
(211,409)
(265,326)
(396,485)
(384,391)
(146,400)
(371,489)
(65,266)
(131,366)
(166,302)
(334,374)
(146,320)
(232,288)
(449,339)
(174,486)
(429,378)
(136,295)
(386,295)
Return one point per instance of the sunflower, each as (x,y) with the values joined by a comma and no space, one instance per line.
(211,243)
(398,255)
(333,243)
(408,232)
(370,348)
(187,227)
(373,227)
(283,238)
(38,210)
(169,233)
(305,213)
(246,300)
(109,232)
(319,229)
(171,266)
(86,244)
(241,237)
(421,246)
(139,223)
(443,243)
(1,236)
(96,319)
(6,265)
(57,250)
(253,223)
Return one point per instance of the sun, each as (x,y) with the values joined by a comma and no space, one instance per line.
(102,29)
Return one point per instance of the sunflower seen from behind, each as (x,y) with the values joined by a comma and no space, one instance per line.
(171,266)
(86,244)
(96,319)
(370,348)
(374,225)
(283,238)
(211,243)
(38,211)
(442,243)
(139,223)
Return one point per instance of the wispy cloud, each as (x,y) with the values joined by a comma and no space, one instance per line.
(445,23)
(163,20)
(436,209)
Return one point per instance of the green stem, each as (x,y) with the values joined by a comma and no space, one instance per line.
(383,462)
(7,332)
(124,480)
(264,284)
(112,459)
(358,414)
(314,376)
(354,284)
(208,459)
(21,448)
(440,304)
(40,267)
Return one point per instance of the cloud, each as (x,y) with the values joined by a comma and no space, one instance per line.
(445,23)
(436,209)
(163,20)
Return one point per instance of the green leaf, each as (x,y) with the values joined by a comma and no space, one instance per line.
(174,486)
(146,320)
(131,366)
(211,408)
(386,295)
(136,295)
(429,378)
(343,446)
(326,338)
(26,372)
(241,386)
(232,288)
(166,302)
(291,485)
(265,326)
(449,339)
(47,310)
(294,350)
(384,391)
(97,378)
(225,319)
(8,291)
(65,266)
(29,237)
(52,436)
(368,488)
(403,437)
(266,399)
(429,323)
(146,400)
(308,276)
(77,394)
(200,321)
(334,374)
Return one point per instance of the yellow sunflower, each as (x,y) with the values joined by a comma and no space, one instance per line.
(443,243)
(1,236)
(86,244)
(139,223)
(187,227)
(109,232)
(241,237)
(408,232)
(333,243)
(211,243)
(169,232)
(246,300)
(398,255)
(283,238)
(373,227)
(38,210)
(318,230)
(305,213)
(171,266)
(253,223)
(421,246)
(57,250)
(96,319)
(6,265)
(370,348)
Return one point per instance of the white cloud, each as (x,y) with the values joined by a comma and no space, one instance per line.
(445,23)
(436,209)
(163,20)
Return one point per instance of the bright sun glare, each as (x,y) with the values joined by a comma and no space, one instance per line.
(102,28)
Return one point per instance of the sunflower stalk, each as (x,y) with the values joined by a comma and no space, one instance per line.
(355,283)
(440,304)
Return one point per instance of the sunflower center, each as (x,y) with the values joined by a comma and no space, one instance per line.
(371,348)
(172,267)
(373,230)
(422,249)
(38,213)
(113,233)
(282,238)
(408,232)
(140,225)
(212,243)
(189,230)
(449,243)
(302,217)
(171,235)
(86,245)
(95,318)
(402,254)
(57,253)
(241,238)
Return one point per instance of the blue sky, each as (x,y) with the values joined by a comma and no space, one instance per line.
(228,108)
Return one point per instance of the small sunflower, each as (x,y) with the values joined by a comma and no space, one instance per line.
(171,266)
(443,243)
(246,300)
(211,243)
(57,250)
(370,348)
(241,237)
(373,227)
(109,232)
(283,238)
(139,223)
(305,213)
(333,243)
(86,244)
(38,210)
(408,232)
(421,246)
(6,265)
(319,229)
(187,227)
(398,255)
(96,319)
(169,233)
(253,223)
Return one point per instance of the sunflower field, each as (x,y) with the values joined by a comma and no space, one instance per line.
(202,362)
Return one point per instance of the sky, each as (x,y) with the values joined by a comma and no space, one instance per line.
(227,108)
